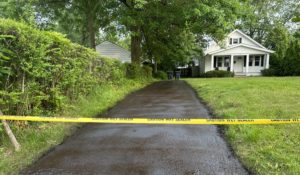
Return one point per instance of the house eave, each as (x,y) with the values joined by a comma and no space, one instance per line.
(239,45)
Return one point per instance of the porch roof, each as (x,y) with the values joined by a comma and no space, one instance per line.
(240,45)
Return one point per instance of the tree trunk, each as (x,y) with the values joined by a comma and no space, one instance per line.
(136,49)
(91,31)
(155,66)
(23,82)
(10,134)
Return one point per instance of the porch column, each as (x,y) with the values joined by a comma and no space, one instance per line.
(212,62)
(267,61)
(231,63)
(247,64)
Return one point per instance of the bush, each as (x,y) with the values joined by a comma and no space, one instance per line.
(134,71)
(161,75)
(218,73)
(42,72)
(268,72)
(147,72)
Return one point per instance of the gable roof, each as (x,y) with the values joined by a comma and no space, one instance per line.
(241,45)
(108,42)
(248,37)
(113,50)
(251,44)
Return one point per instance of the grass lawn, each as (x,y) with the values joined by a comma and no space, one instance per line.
(264,149)
(36,138)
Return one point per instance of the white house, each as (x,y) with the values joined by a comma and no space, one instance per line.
(115,51)
(238,53)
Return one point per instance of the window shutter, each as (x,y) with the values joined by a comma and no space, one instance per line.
(230,42)
(215,62)
(245,59)
(262,61)
(240,40)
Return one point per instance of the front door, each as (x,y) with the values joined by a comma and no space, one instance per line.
(238,64)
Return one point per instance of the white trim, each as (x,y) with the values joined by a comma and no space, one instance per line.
(212,62)
(247,64)
(243,45)
(231,63)
(267,61)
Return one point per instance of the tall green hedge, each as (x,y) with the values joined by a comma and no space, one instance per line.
(42,71)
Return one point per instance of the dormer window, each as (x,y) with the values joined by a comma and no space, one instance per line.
(235,41)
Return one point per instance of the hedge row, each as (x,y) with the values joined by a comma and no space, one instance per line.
(217,73)
(41,72)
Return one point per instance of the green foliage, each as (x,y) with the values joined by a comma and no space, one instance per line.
(41,72)
(161,75)
(259,18)
(134,71)
(80,20)
(217,73)
(172,30)
(147,72)
(278,40)
(268,72)
(20,10)
(286,59)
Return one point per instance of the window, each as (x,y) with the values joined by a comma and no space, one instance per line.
(262,61)
(226,62)
(220,60)
(235,41)
(215,62)
(257,60)
(250,61)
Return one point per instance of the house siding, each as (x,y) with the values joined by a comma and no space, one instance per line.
(207,63)
(244,39)
(111,50)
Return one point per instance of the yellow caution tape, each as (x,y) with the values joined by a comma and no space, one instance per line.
(172,121)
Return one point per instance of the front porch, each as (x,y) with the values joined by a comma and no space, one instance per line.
(240,64)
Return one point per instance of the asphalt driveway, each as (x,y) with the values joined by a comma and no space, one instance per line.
(124,149)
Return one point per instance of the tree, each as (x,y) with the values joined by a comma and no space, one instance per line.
(131,16)
(292,58)
(20,10)
(80,19)
(166,30)
(152,25)
(259,17)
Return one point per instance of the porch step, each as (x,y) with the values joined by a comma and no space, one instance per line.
(239,74)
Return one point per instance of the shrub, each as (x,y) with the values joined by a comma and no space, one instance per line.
(147,72)
(134,71)
(268,72)
(41,72)
(161,75)
(218,73)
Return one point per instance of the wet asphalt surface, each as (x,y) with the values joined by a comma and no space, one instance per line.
(123,149)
